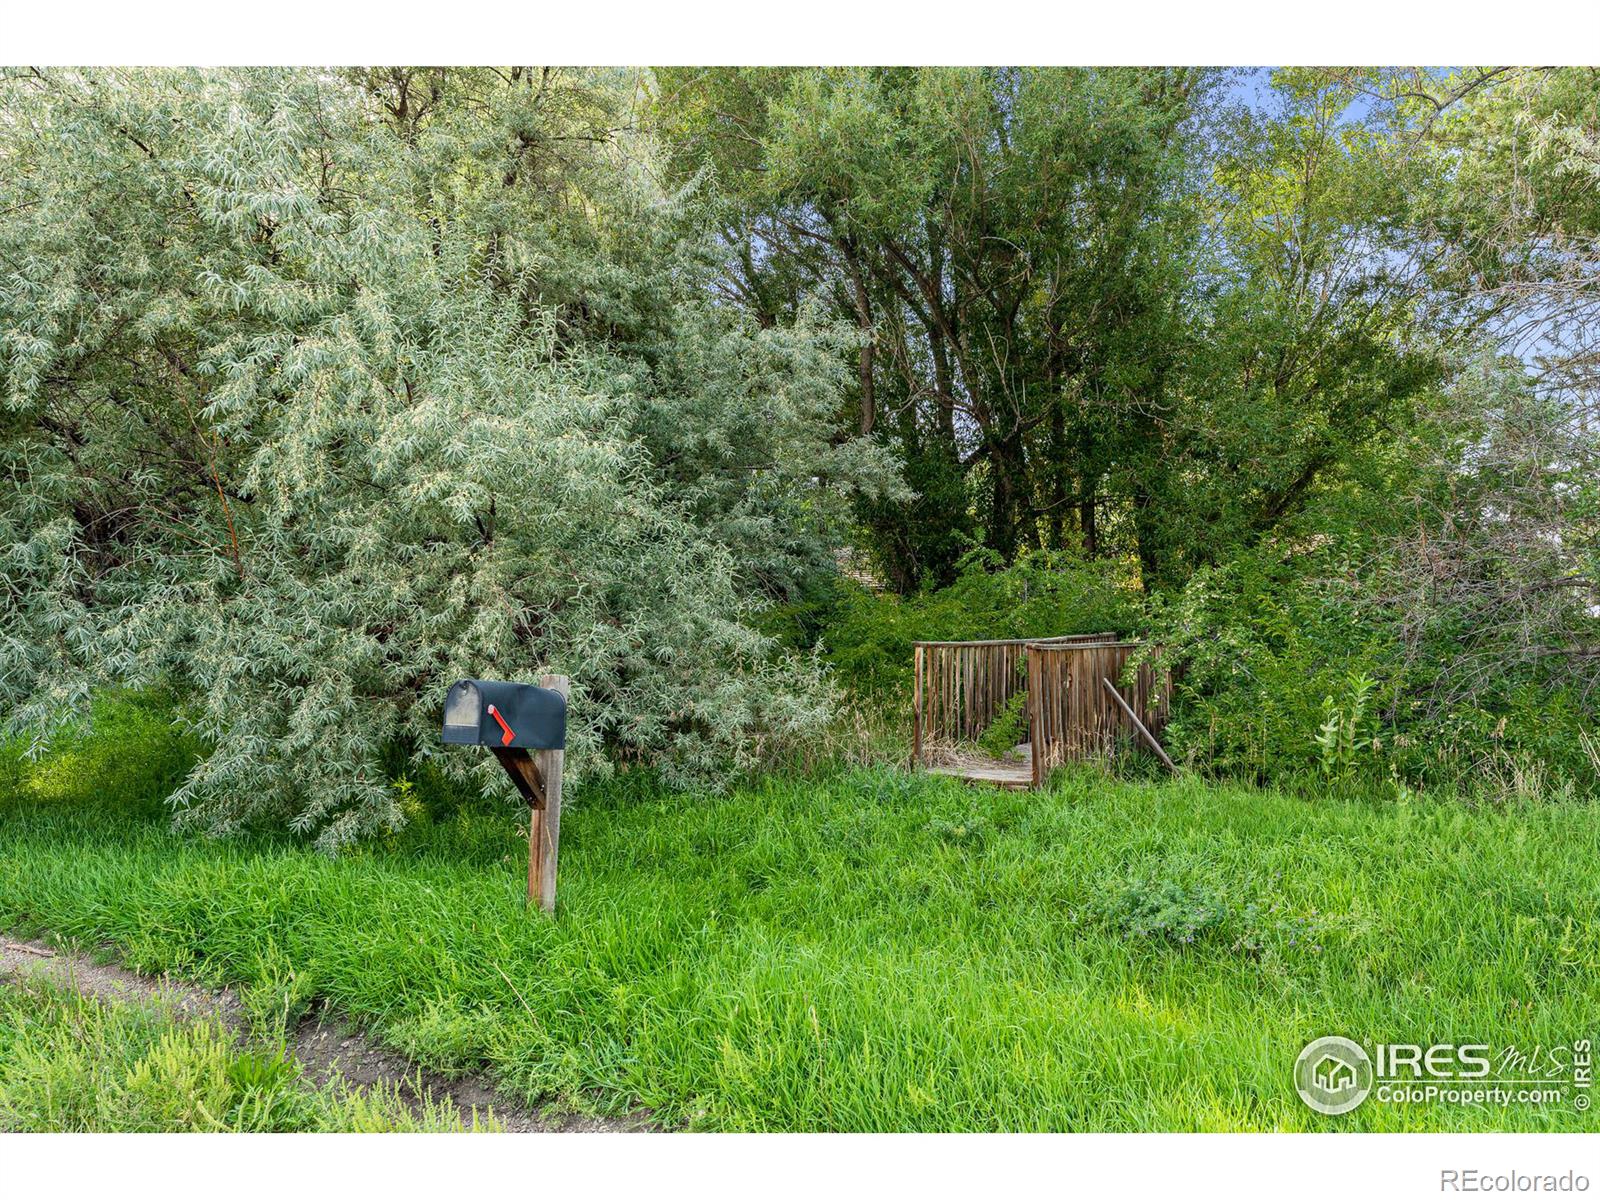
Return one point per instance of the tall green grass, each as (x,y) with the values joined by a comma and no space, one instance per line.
(74,1063)
(876,951)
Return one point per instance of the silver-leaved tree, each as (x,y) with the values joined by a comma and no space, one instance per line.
(319,389)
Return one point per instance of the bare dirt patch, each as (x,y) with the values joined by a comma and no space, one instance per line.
(325,1047)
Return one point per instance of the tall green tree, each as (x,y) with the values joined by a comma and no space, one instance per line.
(1011,244)
(1107,309)
(322,389)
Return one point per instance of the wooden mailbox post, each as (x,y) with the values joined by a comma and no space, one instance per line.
(526,728)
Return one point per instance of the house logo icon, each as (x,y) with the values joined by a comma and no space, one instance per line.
(1333,1075)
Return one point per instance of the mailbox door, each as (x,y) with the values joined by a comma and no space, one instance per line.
(463,714)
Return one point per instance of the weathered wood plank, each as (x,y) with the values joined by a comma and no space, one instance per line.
(544,824)
(916,707)
(1007,775)
(524,774)
(1049,641)
(1145,733)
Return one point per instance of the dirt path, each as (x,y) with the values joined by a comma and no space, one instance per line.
(324,1046)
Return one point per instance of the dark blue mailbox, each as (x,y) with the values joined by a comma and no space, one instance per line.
(483,712)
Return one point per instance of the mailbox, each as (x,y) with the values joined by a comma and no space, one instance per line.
(483,712)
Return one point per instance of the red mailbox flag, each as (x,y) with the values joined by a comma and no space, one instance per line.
(506,735)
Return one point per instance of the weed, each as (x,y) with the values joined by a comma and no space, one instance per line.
(1343,734)
(1165,910)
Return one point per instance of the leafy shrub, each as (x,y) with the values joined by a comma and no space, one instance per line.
(1257,645)
(1167,911)
(1289,666)
(459,426)
(1343,734)
(1008,728)
(1170,907)
(1443,639)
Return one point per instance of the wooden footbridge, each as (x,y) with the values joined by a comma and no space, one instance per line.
(1077,704)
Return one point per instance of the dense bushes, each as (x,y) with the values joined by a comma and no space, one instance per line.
(319,390)
(1445,631)
(313,400)
(1429,620)
(868,635)
(1259,644)
(1293,667)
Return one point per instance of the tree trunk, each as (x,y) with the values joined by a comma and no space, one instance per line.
(1008,470)
(1152,559)
(1087,523)
(863,306)
(1057,498)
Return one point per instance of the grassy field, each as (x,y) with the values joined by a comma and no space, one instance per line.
(72,1063)
(871,950)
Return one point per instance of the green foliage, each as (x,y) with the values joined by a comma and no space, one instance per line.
(75,1064)
(1017,247)
(870,634)
(877,950)
(1439,633)
(1179,907)
(127,745)
(1266,650)
(1164,910)
(278,994)
(1343,735)
(1517,218)
(1107,308)
(1009,727)
(321,391)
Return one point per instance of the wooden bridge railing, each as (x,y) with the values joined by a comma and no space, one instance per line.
(961,687)
(1071,712)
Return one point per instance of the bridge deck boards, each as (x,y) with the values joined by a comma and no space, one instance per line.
(1006,773)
